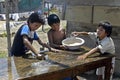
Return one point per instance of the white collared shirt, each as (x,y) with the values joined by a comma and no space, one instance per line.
(104,45)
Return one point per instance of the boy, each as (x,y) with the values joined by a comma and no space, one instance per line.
(25,36)
(56,34)
(104,44)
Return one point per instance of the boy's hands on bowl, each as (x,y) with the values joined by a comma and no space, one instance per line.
(63,47)
(54,50)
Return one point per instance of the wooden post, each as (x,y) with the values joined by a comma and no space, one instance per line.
(92,14)
(64,11)
(8,27)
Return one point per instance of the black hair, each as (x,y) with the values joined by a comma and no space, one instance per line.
(53,18)
(35,17)
(107,26)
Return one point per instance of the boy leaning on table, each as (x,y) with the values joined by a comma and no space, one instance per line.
(26,34)
(104,44)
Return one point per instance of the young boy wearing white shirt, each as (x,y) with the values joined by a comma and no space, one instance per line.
(104,44)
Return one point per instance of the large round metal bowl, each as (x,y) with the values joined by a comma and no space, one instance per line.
(73,43)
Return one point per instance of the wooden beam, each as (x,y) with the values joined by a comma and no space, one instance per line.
(8,27)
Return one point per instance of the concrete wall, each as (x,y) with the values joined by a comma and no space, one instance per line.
(93,14)
(111,14)
(78,13)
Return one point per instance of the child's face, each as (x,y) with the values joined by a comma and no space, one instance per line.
(101,32)
(34,26)
(55,26)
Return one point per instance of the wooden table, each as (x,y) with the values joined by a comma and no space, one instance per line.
(61,65)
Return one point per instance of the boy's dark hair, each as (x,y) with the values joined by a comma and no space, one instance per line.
(35,17)
(107,26)
(53,18)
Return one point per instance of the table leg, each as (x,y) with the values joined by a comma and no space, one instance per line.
(108,68)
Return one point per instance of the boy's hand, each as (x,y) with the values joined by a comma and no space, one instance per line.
(63,47)
(75,34)
(40,57)
(54,50)
(81,57)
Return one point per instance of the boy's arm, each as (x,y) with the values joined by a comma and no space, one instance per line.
(44,44)
(88,53)
(91,51)
(79,33)
(40,42)
(29,45)
(47,46)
